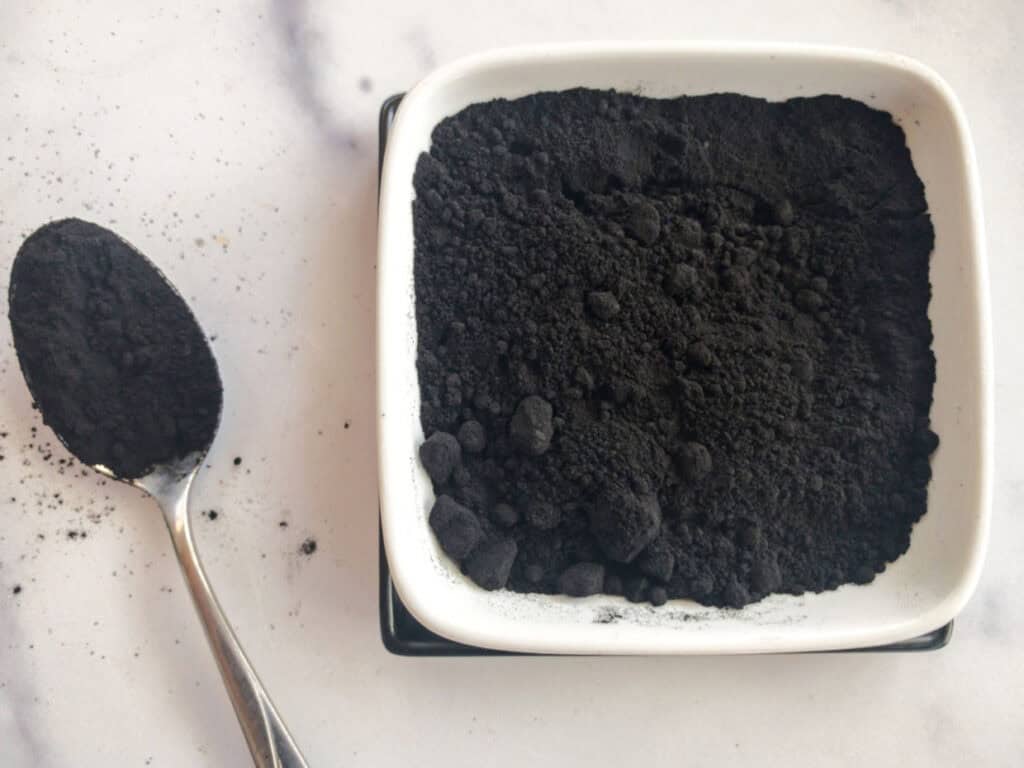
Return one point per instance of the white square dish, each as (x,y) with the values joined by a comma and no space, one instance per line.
(924,588)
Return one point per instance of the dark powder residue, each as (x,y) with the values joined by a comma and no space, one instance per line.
(308,547)
(673,348)
(114,359)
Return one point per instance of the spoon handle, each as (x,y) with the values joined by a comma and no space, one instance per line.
(269,741)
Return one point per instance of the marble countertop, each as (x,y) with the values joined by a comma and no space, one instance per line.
(235,144)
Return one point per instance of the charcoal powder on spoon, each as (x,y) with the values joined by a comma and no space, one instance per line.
(113,357)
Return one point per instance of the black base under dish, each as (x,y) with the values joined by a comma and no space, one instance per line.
(404,636)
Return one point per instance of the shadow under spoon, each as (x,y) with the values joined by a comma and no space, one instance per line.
(121,371)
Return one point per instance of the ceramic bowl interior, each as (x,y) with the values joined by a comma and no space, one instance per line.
(919,592)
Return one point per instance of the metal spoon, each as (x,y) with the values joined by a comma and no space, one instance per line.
(33,306)
(269,741)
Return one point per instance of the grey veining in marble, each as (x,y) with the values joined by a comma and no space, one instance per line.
(303,44)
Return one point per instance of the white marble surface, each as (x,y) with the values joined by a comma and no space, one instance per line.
(235,143)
